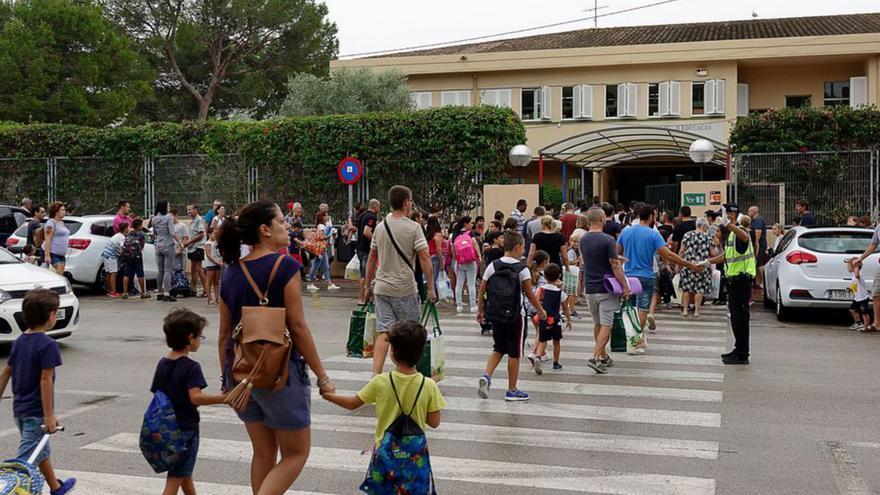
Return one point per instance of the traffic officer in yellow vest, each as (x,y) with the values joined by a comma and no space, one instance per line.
(740,268)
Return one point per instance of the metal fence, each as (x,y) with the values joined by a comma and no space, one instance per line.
(666,197)
(836,184)
(93,185)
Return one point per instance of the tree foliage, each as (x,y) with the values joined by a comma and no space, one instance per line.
(221,55)
(347,91)
(63,61)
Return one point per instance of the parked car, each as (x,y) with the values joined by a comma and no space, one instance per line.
(8,224)
(16,279)
(89,236)
(809,269)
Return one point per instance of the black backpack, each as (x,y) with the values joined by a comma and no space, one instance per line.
(503,300)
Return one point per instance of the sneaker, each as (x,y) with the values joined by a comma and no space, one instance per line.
(557,366)
(160,297)
(459,308)
(483,385)
(868,329)
(516,396)
(641,350)
(333,287)
(174,299)
(734,359)
(576,316)
(146,296)
(311,287)
(473,310)
(544,358)
(652,323)
(539,370)
(597,366)
(125,296)
(854,326)
(65,488)
(607,361)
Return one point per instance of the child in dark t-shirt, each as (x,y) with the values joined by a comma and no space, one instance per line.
(182,380)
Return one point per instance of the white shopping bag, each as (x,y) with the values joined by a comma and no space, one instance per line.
(632,326)
(353,269)
(444,288)
(716,285)
(676,296)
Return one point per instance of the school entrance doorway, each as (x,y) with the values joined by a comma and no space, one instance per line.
(639,163)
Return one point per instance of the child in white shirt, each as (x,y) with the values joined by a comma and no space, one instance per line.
(859,307)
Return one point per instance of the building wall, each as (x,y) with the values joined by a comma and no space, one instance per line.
(769,84)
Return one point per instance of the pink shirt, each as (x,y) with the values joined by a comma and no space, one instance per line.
(119,219)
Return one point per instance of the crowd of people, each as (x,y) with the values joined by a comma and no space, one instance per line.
(533,271)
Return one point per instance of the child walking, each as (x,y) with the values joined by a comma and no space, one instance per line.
(110,255)
(31,365)
(401,391)
(213,265)
(554,301)
(540,261)
(504,284)
(181,379)
(859,307)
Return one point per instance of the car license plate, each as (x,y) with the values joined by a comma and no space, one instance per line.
(61,314)
(840,294)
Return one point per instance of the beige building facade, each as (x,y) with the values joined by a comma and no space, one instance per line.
(612,111)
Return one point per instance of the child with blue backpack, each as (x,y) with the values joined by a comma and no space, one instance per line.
(181,380)
(406,401)
(554,301)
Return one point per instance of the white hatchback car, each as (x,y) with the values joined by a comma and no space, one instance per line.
(809,269)
(16,279)
(89,235)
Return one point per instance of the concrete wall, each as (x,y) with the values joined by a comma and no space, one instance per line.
(504,198)
(770,84)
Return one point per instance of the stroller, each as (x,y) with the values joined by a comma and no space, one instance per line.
(19,477)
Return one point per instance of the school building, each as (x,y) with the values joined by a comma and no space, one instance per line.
(613,111)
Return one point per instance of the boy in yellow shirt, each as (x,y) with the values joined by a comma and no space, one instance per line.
(407,339)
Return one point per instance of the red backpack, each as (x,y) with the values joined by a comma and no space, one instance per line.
(464,248)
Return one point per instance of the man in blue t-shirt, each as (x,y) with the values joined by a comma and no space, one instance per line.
(637,244)
(806,218)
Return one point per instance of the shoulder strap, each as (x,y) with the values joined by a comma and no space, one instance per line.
(264,297)
(415,402)
(396,247)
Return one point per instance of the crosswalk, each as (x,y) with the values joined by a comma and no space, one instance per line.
(649,426)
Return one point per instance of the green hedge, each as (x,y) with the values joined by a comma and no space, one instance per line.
(811,129)
(436,151)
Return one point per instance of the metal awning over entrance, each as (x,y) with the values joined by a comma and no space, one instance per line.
(598,150)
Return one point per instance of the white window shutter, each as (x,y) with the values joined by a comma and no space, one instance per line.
(720,93)
(674,98)
(576,105)
(663,98)
(628,97)
(858,91)
(506,100)
(742,100)
(545,102)
(621,100)
(709,97)
(586,101)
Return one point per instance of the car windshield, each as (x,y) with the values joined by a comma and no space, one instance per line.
(72,225)
(836,242)
(7,258)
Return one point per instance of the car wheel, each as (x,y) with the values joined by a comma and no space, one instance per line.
(768,303)
(98,285)
(782,313)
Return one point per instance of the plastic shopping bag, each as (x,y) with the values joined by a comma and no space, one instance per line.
(354,347)
(433,362)
(353,269)
(716,285)
(632,326)
(369,332)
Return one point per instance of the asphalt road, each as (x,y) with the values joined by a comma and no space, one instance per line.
(801,419)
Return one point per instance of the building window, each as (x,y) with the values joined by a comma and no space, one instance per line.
(531,104)
(653,100)
(460,98)
(611,101)
(836,93)
(698,98)
(568,102)
(421,100)
(496,97)
(798,101)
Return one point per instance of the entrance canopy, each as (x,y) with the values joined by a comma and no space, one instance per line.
(598,150)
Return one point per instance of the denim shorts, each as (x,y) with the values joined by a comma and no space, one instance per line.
(133,268)
(390,310)
(643,301)
(363,257)
(184,467)
(285,409)
(31,430)
(57,259)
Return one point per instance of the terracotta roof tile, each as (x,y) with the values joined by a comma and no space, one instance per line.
(671,33)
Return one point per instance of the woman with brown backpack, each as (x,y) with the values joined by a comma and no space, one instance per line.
(265,345)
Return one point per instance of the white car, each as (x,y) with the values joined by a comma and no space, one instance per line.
(809,269)
(89,235)
(16,279)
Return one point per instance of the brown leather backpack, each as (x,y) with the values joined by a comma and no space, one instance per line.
(262,346)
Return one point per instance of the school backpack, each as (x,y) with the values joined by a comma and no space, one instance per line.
(180,284)
(400,463)
(161,440)
(503,291)
(131,249)
(464,248)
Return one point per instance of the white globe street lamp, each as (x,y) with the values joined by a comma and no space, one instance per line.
(701,151)
(520,155)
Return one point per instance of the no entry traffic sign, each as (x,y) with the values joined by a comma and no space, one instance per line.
(350,170)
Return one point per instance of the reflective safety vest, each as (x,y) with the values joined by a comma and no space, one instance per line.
(735,263)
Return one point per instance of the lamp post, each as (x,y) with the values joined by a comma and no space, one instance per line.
(701,151)
(520,156)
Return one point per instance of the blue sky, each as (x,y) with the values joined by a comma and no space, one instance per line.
(368,25)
